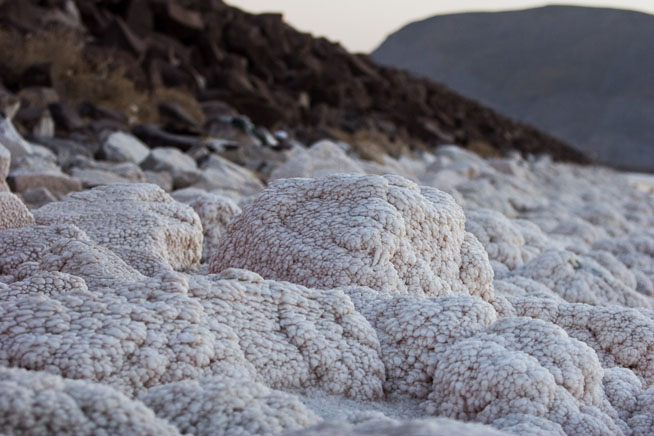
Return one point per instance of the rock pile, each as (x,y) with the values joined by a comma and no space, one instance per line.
(217,58)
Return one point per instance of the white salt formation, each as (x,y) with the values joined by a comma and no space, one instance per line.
(139,222)
(492,297)
(383,232)
(13,212)
(38,403)
(229,406)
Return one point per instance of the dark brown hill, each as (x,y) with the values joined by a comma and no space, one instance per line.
(279,77)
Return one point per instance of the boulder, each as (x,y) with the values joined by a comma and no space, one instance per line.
(5,162)
(65,149)
(36,120)
(9,103)
(117,34)
(173,19)
(98,112)
(177,120)
(127,170)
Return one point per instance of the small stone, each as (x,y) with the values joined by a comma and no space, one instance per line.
(34,171)
(161,179)
(5,162)
(12,140)
(181,167)
(154,136)
(122,147)
(219,174)
(91,178)
(67,148)
(37,197)
(65,117)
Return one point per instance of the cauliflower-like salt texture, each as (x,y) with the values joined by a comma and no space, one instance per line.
(139,222)
(622,388)
(21,245)
(295,336)
(215,212)
(503,242)
(573,364)
(386,233)
(642,421)
(229,406)
(581,279)
(521,286)
(528,425)
(80,311)
(414,331)
(487,377)
(13,212)
(388,427)
(636,251)
(38,403)
(620,336)
(85,314)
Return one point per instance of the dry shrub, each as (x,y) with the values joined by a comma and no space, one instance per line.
(78,76)
(483,148)
(372,144)
(60,48)
(183,99)
(75,76)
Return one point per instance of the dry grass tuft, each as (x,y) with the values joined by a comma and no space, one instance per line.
(77,77)
(181,98)
(483,149)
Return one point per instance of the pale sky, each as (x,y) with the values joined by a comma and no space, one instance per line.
(361,25)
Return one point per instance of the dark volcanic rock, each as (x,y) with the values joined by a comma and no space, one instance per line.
(153,136)
(65,117)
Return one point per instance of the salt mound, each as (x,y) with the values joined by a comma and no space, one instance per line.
(230,406)
(106,322)
(386,233)
(33,402)
(140,222)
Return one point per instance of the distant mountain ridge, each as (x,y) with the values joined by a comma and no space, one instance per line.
(585,75)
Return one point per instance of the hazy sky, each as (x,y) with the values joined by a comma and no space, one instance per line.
(361,25)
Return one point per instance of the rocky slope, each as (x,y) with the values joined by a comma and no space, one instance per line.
(184,64)
(582,74)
